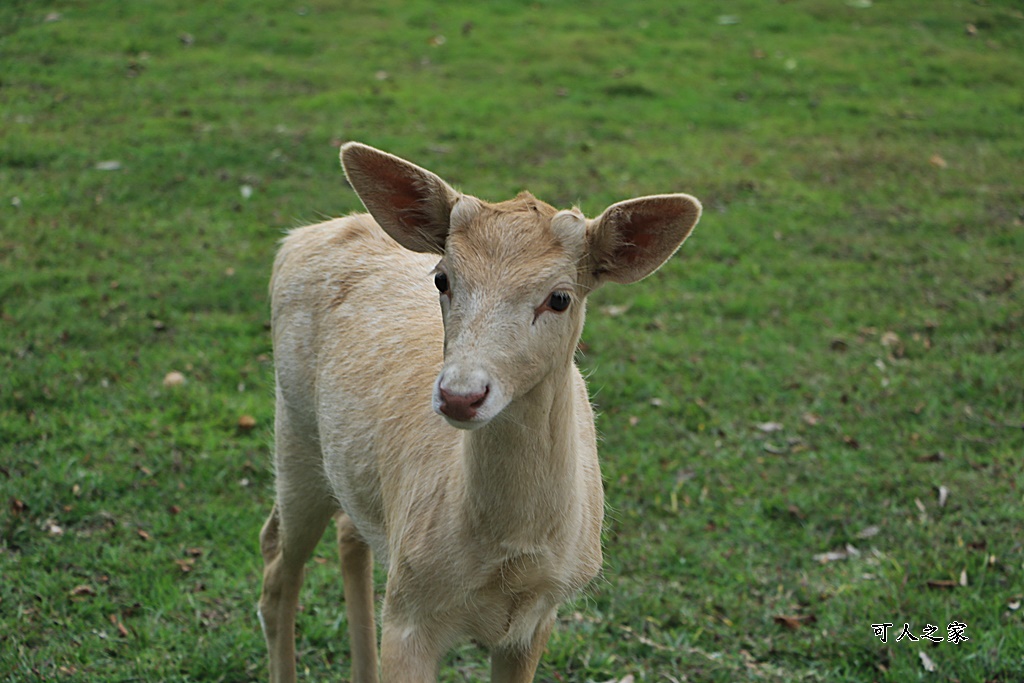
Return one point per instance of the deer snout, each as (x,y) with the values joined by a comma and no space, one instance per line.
(461,407)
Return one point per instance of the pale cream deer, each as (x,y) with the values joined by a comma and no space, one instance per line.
(453,440)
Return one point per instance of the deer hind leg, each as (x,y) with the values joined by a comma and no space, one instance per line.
(518,665)
(357,577)
(304,508)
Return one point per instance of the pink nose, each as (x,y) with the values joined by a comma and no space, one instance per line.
(462,407)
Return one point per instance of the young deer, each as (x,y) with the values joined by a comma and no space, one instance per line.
(488,518)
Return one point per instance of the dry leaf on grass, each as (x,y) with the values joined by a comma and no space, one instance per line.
(174,379)
(835,555)
(615,311)
(643,639)
(795,621)
(121,629)
(869,532)
(927,662)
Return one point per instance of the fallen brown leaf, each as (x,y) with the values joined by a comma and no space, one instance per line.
(869,532)
(942,583)
(831,556)
(82,590)
(120,626)
(614,311)
(811,419)
(794,622)
(174,379)
(937,456)
(643,639)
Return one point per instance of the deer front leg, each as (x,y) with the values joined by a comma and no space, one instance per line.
(518,665)
(409,652)
(285,549)
(357,575)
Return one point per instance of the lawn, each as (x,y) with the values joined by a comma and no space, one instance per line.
(812,418)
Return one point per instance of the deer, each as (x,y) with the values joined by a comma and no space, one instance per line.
(428,400)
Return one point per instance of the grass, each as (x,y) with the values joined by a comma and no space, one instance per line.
(833,364)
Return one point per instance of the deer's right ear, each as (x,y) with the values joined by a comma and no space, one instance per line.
(412,204)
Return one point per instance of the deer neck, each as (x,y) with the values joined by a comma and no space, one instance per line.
(521,467)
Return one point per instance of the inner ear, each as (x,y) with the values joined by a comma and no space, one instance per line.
(632,239)
(412,204)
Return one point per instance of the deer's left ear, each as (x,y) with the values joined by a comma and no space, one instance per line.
(632,239)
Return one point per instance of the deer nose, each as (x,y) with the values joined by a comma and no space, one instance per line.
(462,407)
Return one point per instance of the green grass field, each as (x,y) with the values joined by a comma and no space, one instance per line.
(812,418)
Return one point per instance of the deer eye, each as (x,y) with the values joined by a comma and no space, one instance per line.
(559,301)
(441,282)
